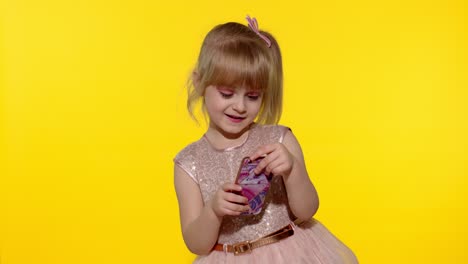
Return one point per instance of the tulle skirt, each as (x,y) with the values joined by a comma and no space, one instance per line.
(311,243)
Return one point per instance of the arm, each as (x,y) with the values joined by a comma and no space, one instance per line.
(303,198)
(200,223)
(286,159)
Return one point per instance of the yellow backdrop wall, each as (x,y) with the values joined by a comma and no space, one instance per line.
(93,111)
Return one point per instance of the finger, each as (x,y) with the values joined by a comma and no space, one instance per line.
(278,168)
(233,207)
(262,151)
(241,199)
(235,198)
(272,166)
(228,187)
(278,158)
(241,208)
(265,163)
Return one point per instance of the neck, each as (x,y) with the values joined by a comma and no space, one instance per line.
(221,139)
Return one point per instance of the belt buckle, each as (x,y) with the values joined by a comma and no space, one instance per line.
(242,248)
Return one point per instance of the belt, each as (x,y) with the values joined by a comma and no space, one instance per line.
(248,246)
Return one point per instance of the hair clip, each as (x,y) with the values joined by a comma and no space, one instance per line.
(253,24)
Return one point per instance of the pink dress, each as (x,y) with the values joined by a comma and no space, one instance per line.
(210,168)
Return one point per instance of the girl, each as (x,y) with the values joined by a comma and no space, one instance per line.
(239,77)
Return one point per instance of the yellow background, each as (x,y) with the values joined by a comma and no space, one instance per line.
(93,111)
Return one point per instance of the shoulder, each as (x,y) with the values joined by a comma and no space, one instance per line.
(188,151)
(277,132)
(187,159)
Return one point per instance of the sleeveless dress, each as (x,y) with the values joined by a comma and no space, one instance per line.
(210,168)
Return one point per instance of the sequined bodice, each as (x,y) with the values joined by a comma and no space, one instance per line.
(210,168)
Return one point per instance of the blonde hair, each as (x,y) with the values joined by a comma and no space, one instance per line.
(234,55)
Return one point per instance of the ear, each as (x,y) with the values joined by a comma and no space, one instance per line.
(195,79)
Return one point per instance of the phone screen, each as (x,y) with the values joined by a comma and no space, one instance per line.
(254,186)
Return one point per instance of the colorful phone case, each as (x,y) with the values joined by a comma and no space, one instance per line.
(254,187)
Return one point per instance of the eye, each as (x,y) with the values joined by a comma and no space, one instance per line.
(225,94)
(253,96)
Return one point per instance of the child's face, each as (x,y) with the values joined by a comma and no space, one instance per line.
(230,109)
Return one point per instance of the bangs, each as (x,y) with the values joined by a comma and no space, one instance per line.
(238,65)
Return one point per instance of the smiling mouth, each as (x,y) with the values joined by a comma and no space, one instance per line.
(235,117)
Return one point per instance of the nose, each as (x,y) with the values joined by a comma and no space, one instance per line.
(239,105)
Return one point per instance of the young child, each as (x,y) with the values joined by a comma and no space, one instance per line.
(239,77)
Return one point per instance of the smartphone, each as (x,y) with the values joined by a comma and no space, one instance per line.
(254,186)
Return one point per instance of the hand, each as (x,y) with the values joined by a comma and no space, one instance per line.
(226,202)
(278,159)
